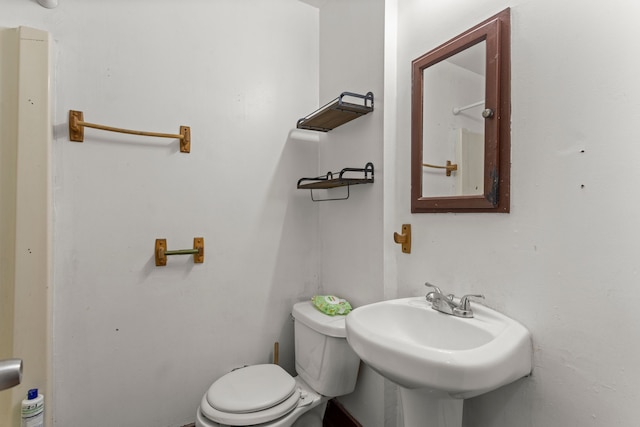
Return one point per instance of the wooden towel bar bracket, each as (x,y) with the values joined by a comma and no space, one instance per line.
(161,252)
(77,125)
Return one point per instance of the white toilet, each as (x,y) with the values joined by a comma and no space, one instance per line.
(267,396)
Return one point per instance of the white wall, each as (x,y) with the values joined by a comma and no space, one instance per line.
(25,212)
(351,246)
(135,344)
(351,59)
(564,261)
(146,342)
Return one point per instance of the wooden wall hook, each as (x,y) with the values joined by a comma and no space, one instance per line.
(404,239)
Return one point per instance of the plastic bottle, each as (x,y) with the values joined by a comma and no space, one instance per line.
(33,409)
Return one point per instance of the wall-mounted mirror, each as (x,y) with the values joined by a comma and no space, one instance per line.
(460,122)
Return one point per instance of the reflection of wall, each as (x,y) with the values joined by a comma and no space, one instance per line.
(470,160)
(446,86)
(25,210)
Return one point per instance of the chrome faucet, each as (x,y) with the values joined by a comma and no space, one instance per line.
(439,301)
(446,304)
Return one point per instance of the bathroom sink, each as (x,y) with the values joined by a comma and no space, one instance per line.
(416,347)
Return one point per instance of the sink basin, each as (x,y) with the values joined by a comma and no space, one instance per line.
(416,347)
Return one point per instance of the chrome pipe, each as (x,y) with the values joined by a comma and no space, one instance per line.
(10,373)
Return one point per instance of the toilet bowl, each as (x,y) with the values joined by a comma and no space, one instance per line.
(282,410)
(267,396)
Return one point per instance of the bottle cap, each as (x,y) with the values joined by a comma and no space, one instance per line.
(32,394)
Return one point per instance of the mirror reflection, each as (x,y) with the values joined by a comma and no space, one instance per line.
(453,132)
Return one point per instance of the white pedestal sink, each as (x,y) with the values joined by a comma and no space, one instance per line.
(439,359)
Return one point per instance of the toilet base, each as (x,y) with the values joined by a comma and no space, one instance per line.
(313,417)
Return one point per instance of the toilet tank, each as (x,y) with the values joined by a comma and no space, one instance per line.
(324,360)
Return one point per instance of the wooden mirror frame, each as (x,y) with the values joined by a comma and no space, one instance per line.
(497,129)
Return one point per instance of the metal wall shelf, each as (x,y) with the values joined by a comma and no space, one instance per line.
(328,181)
(337,112)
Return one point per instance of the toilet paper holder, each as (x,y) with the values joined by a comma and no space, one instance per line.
(161,252)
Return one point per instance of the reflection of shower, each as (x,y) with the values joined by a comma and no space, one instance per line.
(486,113)
(458,110)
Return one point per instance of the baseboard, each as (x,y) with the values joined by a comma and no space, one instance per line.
(337,416)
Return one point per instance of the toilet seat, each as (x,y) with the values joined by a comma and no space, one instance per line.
(251,395)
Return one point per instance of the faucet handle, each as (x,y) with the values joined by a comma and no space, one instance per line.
(464,301)
(435,288)
(464,308)
(436,291)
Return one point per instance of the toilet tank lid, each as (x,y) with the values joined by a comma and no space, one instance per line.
(333,326)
